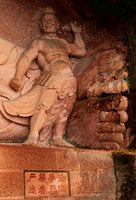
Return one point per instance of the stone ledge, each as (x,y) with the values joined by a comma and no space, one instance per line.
(91,172)
(66,198)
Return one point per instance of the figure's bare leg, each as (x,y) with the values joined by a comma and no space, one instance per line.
(59,130)
(57,139)
(60,124)
(37,122)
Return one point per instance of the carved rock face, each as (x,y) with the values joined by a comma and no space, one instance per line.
(99,123)
(104,74)
(99,126)
(20,22)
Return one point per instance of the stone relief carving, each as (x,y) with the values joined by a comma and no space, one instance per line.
(43,94)
(47,102)
(103,117)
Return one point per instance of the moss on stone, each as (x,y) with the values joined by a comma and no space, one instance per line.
(125,172)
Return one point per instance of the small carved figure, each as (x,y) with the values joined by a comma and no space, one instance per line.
(54,92)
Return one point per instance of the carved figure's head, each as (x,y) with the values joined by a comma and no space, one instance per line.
(49,24)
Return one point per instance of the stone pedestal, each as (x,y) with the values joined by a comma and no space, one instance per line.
(91,173)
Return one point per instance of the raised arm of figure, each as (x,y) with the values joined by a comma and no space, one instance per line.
(78,48)
(23,64)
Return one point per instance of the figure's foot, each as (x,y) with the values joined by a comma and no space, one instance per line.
(59,142)
(32,140)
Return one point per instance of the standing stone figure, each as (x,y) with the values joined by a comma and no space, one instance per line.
(54,92)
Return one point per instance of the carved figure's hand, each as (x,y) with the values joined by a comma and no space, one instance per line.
(15,84)
(75,28)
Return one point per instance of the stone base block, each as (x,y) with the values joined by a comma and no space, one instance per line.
(91,173)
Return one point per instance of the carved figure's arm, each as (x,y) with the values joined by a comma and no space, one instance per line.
(23,64)
(78,48)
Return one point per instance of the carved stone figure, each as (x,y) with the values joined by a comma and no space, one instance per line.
(98,118)
(51,98)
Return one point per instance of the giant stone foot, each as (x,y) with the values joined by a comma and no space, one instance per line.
(98,123)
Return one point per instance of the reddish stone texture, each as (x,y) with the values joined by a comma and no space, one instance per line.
(91,172)
(87,183)
(22,157)
(12,198)
(83,129)
(93,197)
(68,160)
(95,161)
(20,23)
(88,126)
(20,20)
(11,183)
(98,123)
(88,70)
(117,137)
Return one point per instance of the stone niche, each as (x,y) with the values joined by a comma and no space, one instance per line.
(96,122)
(100,73)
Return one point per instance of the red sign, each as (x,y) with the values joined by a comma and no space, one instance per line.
(46,184)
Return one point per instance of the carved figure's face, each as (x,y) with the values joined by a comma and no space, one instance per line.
(50,24)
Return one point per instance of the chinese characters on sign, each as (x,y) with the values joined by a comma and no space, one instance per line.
(46,184)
